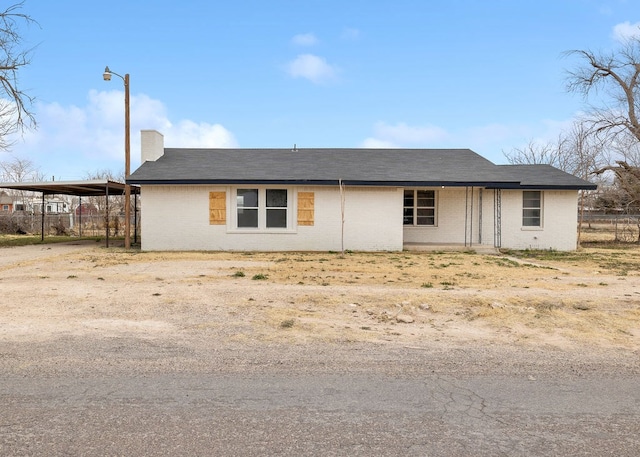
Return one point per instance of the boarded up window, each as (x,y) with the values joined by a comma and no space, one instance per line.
(305,208)
(217,208)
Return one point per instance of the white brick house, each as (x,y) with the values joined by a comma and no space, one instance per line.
(291,200)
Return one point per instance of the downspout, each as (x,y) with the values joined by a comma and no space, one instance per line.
(581,196)
(480,215)
(497,218)
(466,213)
(471,222)
(342,216)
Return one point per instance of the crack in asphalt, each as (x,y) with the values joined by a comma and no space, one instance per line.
(464,408)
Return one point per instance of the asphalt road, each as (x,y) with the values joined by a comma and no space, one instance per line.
(277,414)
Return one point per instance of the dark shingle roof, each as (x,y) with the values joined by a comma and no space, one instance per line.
(544,176)
(403,167)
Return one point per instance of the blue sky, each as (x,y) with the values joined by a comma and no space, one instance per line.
(479,74)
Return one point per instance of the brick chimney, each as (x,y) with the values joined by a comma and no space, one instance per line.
(152,145)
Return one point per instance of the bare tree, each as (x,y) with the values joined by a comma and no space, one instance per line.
(627,180)
(114,208)
(535,153)
(625,195)
(581,152)
(19,170)
(577,152)
(15,105)
(625,148)
(613,78)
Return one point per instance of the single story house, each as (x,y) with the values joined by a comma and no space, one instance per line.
(354,199)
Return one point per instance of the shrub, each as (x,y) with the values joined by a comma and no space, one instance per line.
(287,323)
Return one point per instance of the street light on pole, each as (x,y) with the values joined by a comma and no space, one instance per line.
(127,155)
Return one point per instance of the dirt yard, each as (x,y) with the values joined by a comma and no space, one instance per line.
(587,299)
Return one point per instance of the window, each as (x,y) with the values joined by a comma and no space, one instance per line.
(262,208)
(247,201)
(531,208)
(419,207)
(276,208)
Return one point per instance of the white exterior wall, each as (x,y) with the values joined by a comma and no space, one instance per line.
(558,231)
(373,218)
(559,222)
(177,218)
(451,206)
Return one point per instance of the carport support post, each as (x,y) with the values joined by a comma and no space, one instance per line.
(135,218)
(42,220)
(106,217)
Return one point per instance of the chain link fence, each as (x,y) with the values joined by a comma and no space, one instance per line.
(615,228)
(61,224)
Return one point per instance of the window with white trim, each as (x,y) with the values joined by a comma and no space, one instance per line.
(262,208)
(419,207)
(531,208)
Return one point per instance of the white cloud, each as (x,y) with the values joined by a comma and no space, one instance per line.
(189,134)
(71,141)
(311,67)
(626,31)
(305,39)
(403,135)
(489,140)
(375,143)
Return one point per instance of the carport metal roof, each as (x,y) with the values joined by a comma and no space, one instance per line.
(90,188)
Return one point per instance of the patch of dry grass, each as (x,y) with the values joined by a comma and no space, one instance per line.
(591,296)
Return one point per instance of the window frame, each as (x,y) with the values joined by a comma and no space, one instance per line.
(539,208)
(262,210)
(415,208)
(249,208)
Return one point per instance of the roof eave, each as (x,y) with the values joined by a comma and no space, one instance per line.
(325,182)
(515,185)
(551,187)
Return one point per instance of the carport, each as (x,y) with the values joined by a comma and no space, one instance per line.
(90,188)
